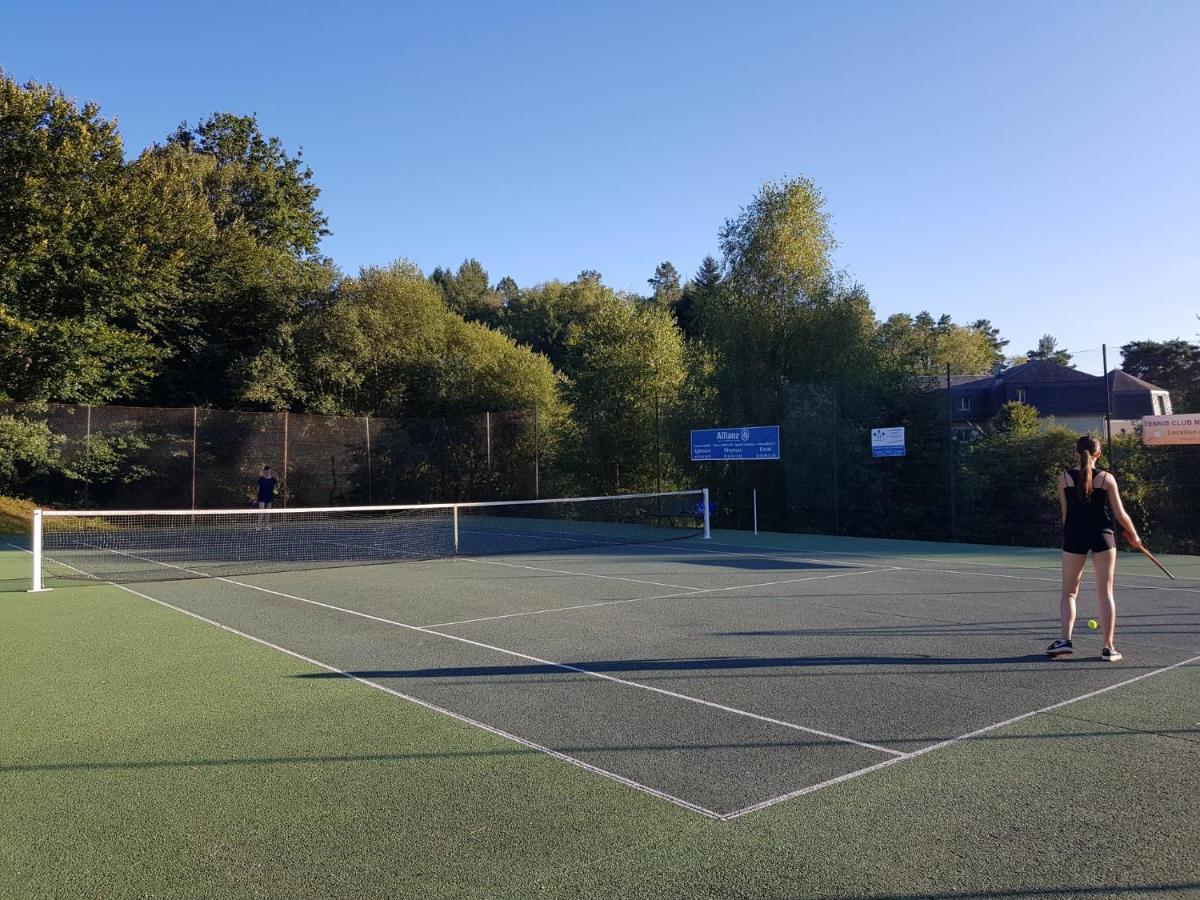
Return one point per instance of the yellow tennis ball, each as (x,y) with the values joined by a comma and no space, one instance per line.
(1093,624)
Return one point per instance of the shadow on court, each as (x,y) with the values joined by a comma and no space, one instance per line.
(703,664)
(1187,734)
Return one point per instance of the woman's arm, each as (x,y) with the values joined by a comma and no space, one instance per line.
(1118,510)
(1062,497)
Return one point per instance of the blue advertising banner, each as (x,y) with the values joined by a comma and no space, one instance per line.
(747,442)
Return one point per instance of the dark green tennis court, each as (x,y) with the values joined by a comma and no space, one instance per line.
(730,682)
(721,677)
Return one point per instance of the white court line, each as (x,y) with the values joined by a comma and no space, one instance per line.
(690,593)
(491,729)
(941,745)
(525,656)
(964,562)
(800,558)
(494,562)
(570,668)
(897,756)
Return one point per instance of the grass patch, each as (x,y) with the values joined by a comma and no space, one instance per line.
(15,515)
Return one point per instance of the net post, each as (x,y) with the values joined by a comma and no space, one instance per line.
(37,587)
(707,529)
(455,517)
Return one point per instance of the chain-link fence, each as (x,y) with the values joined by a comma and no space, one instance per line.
(155,458)
(970,484)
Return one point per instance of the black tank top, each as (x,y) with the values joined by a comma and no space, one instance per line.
(1090,515)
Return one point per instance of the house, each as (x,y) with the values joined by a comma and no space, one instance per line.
(1061,395)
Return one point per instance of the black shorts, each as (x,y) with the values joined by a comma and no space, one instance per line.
(1096,541)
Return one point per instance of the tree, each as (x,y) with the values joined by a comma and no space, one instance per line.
(992,335)
(703,285)
(665,285)
(467,293)
(780,312)
(626,367)
(255,183)
(1173,365)
(251,277)
(1018,419)
(507,288)
(1048,350)
(385,344)
(926,346)
(777,250)
(539,317)
(76,278)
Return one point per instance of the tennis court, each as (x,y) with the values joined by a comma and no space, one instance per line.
(722,675)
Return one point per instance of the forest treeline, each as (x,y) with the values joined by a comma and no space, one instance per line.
(191,273)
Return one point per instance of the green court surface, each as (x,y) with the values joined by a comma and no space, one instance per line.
(776,717)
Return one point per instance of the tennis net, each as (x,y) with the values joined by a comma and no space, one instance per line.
(153,545)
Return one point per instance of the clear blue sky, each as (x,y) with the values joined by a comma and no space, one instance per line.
(1034,163)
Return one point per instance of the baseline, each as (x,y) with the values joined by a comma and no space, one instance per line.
(689,593)
(941,745)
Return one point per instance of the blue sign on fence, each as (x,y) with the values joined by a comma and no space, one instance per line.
(751,442)
(887,442)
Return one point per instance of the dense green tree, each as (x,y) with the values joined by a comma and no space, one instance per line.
(781,313)
(666,290)
(508,290)
(256,184)
(1007,492)
(626,365)
(467,293)
(924,345)
(27,449)
(777,250)
(992,335)
(1018,419)
(701,288)
(1048,349)
(539,317)
(77,279)
(1173,365)
(251,277)
(386,344)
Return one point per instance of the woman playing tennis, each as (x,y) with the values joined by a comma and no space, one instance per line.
(1090,501)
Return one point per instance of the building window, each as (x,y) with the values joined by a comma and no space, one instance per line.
(1162,404)
(1020,395)
(964,402)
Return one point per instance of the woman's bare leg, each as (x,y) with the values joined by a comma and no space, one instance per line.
(1105,565)
(1072,573)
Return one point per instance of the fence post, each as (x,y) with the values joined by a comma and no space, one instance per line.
(837,427)
(953,460)
(487,425)
(195,417)
(87,457)
(285,458)
(370,485)
(537,452)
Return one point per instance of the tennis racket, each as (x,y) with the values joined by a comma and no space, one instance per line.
(1150,556)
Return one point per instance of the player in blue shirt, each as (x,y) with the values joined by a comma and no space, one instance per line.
(266,493)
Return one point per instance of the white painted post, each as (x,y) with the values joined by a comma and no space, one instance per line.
(455,529)
(707,529)
(37,553)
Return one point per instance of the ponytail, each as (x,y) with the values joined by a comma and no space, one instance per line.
(1088,448)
